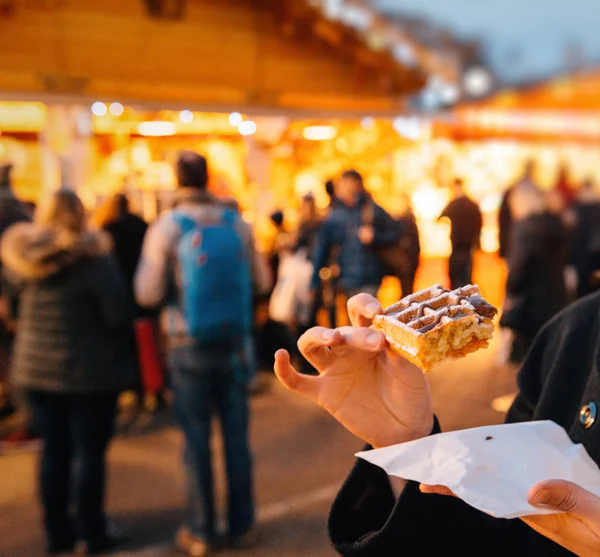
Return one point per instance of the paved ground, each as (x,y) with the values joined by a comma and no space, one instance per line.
(302,456)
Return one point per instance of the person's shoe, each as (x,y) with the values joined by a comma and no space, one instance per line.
(187,543)
(245,541)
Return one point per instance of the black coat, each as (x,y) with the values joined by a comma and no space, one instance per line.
(465,222)
(585,244)
(128,234)
(410,241)
(71,311)
(560,375)
(505,223)
(536,267)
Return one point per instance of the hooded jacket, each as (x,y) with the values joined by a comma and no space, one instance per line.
(68,298)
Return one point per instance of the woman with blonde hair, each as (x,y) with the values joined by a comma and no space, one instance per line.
(70,305)
(535,286)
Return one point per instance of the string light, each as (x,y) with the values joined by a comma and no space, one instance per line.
(99,109)
(247,128)
(116,109)
(235,119)
(186,116)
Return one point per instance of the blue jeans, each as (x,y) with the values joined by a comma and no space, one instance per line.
(209,380)
(76,430)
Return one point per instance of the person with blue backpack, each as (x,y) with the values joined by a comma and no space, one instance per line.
(197,262)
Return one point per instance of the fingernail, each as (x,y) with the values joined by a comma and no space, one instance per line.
(327,334)
(373,339)
(372,308)
(542,497)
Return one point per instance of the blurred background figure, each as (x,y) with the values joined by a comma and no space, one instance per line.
(127,231)
(306,237)
(535,286)
(330,274)
(505,217)
(12,211)
(282,242)
(410,243)
(585,238)
(357,226)
(200,255)
(465,230)
(67,292)
(309,223)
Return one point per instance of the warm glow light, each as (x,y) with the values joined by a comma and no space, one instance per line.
(116,109)
(235,119)
(247,128)
(367,122)
(99,109)
(410,128)
(186,116)
(477,81)
(319,133)
(157,129)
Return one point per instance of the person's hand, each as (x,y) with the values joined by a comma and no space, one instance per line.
(576,527)
(366,235)
(370,390)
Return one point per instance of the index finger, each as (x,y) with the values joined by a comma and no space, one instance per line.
(362,309)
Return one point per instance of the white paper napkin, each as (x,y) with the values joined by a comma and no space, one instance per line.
(493,467)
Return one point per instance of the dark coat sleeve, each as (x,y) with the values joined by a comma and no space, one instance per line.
(504,225)
(522,257)
(367,521)
(321,252)
(387,231)
(108,286)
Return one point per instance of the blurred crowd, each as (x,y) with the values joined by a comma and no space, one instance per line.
(94,305)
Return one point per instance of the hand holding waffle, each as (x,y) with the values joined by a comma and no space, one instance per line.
(371,377)
(372,391)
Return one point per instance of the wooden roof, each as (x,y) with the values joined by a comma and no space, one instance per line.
(261,55)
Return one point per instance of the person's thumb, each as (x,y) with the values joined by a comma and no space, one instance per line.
(565,496)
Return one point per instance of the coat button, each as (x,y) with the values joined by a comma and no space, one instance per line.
(588,414)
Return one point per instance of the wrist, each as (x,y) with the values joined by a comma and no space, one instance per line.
(429,428)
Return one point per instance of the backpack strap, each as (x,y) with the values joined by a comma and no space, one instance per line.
(185,223)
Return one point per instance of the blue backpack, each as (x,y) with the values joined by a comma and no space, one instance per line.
(215,281)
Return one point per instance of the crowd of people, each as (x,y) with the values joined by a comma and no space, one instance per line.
(93,305)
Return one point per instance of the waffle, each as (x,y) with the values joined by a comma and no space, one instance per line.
(437,324)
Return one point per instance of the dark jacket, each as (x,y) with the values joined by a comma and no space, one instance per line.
(585,244)
(410,239)
(71,312)
(505,222)
(128,234)
(536,270)
(559,376)
(307,236)
(359,264)
(465,222)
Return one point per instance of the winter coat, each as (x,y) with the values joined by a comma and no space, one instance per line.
(465,222)
(359,264)
(585,244)
(128,234)
(557,380)
(410,240)
(536,266)
(71,309)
